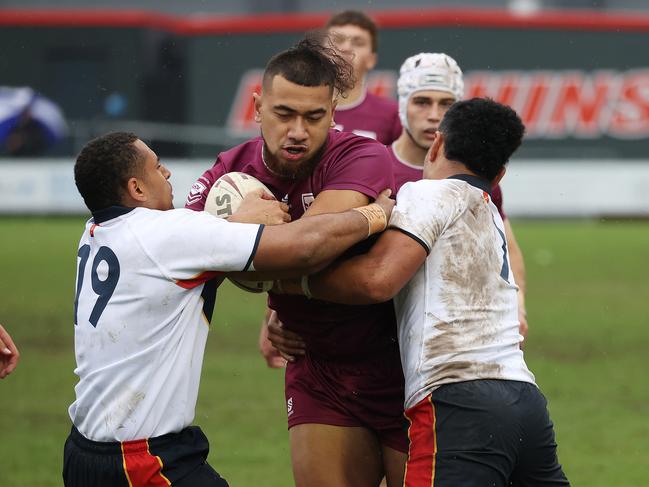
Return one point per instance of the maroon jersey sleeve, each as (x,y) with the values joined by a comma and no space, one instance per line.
(497,198)
(201,188)
(358,164)
(245,157)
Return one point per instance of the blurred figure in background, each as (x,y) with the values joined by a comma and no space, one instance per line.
(9,354)
(29,123)
(355,36)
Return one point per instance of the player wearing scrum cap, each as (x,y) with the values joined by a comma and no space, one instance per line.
(146,281)
(355,36)
(429,83)
(345,395)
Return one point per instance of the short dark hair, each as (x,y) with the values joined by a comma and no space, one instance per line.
(359,19)
(310,63)
(104,166)
(481,134)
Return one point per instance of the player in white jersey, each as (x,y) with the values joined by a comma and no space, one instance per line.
(476,415)
(146,281)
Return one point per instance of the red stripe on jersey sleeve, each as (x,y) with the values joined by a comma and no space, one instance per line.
(142,469)
(198,280)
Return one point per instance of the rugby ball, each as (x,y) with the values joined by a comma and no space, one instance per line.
(224,199)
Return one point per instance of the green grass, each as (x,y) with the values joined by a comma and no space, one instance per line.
(588,311)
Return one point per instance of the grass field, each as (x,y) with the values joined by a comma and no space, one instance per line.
(588,308)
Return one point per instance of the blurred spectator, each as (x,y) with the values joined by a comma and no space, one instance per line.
(29,123)
(355,35)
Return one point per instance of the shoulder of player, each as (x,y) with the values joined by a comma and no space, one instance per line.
(344,147)
(240,154)
(352,141)
(444,191)
(377,100)
(381,100)
(143,220)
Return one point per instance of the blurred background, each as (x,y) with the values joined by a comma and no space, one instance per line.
(180,73)
(181,76)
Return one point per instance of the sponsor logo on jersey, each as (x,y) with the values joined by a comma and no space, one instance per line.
(195,192)
(307,199)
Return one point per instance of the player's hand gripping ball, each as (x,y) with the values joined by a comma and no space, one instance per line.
(223,200)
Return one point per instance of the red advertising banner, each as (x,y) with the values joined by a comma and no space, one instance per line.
(552,104)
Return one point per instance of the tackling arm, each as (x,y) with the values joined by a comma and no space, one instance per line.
(308,244)
(335,200)
(374,277)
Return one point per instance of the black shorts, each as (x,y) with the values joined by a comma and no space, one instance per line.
(483,432)
(177,459)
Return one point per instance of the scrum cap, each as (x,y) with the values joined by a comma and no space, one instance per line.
(428,71)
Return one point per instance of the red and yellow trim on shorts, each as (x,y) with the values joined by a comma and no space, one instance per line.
(422,455)
(140,466)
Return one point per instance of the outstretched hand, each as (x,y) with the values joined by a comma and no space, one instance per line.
(260,207)
(9,354)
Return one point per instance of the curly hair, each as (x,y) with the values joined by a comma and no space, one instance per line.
(481,134)
(311,62)
(103,167)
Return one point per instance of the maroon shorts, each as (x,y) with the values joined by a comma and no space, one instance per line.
(368,393)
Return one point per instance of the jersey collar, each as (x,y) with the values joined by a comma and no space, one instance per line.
(105,214)
(478,182)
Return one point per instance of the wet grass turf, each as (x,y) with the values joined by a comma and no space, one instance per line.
(588,309)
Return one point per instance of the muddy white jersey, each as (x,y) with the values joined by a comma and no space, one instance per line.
(145,291)
(458,316)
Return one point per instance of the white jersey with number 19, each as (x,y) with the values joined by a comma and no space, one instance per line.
(458,315)
(146,283)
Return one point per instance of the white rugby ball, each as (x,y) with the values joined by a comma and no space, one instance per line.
(224,199)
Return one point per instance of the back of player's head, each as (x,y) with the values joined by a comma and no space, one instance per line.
(359,19)
(103,168)
(481,134)
(311,63)
(428,71)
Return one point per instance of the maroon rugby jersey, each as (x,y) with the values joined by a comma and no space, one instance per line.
(349,162)
(404,172)
(374,117)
